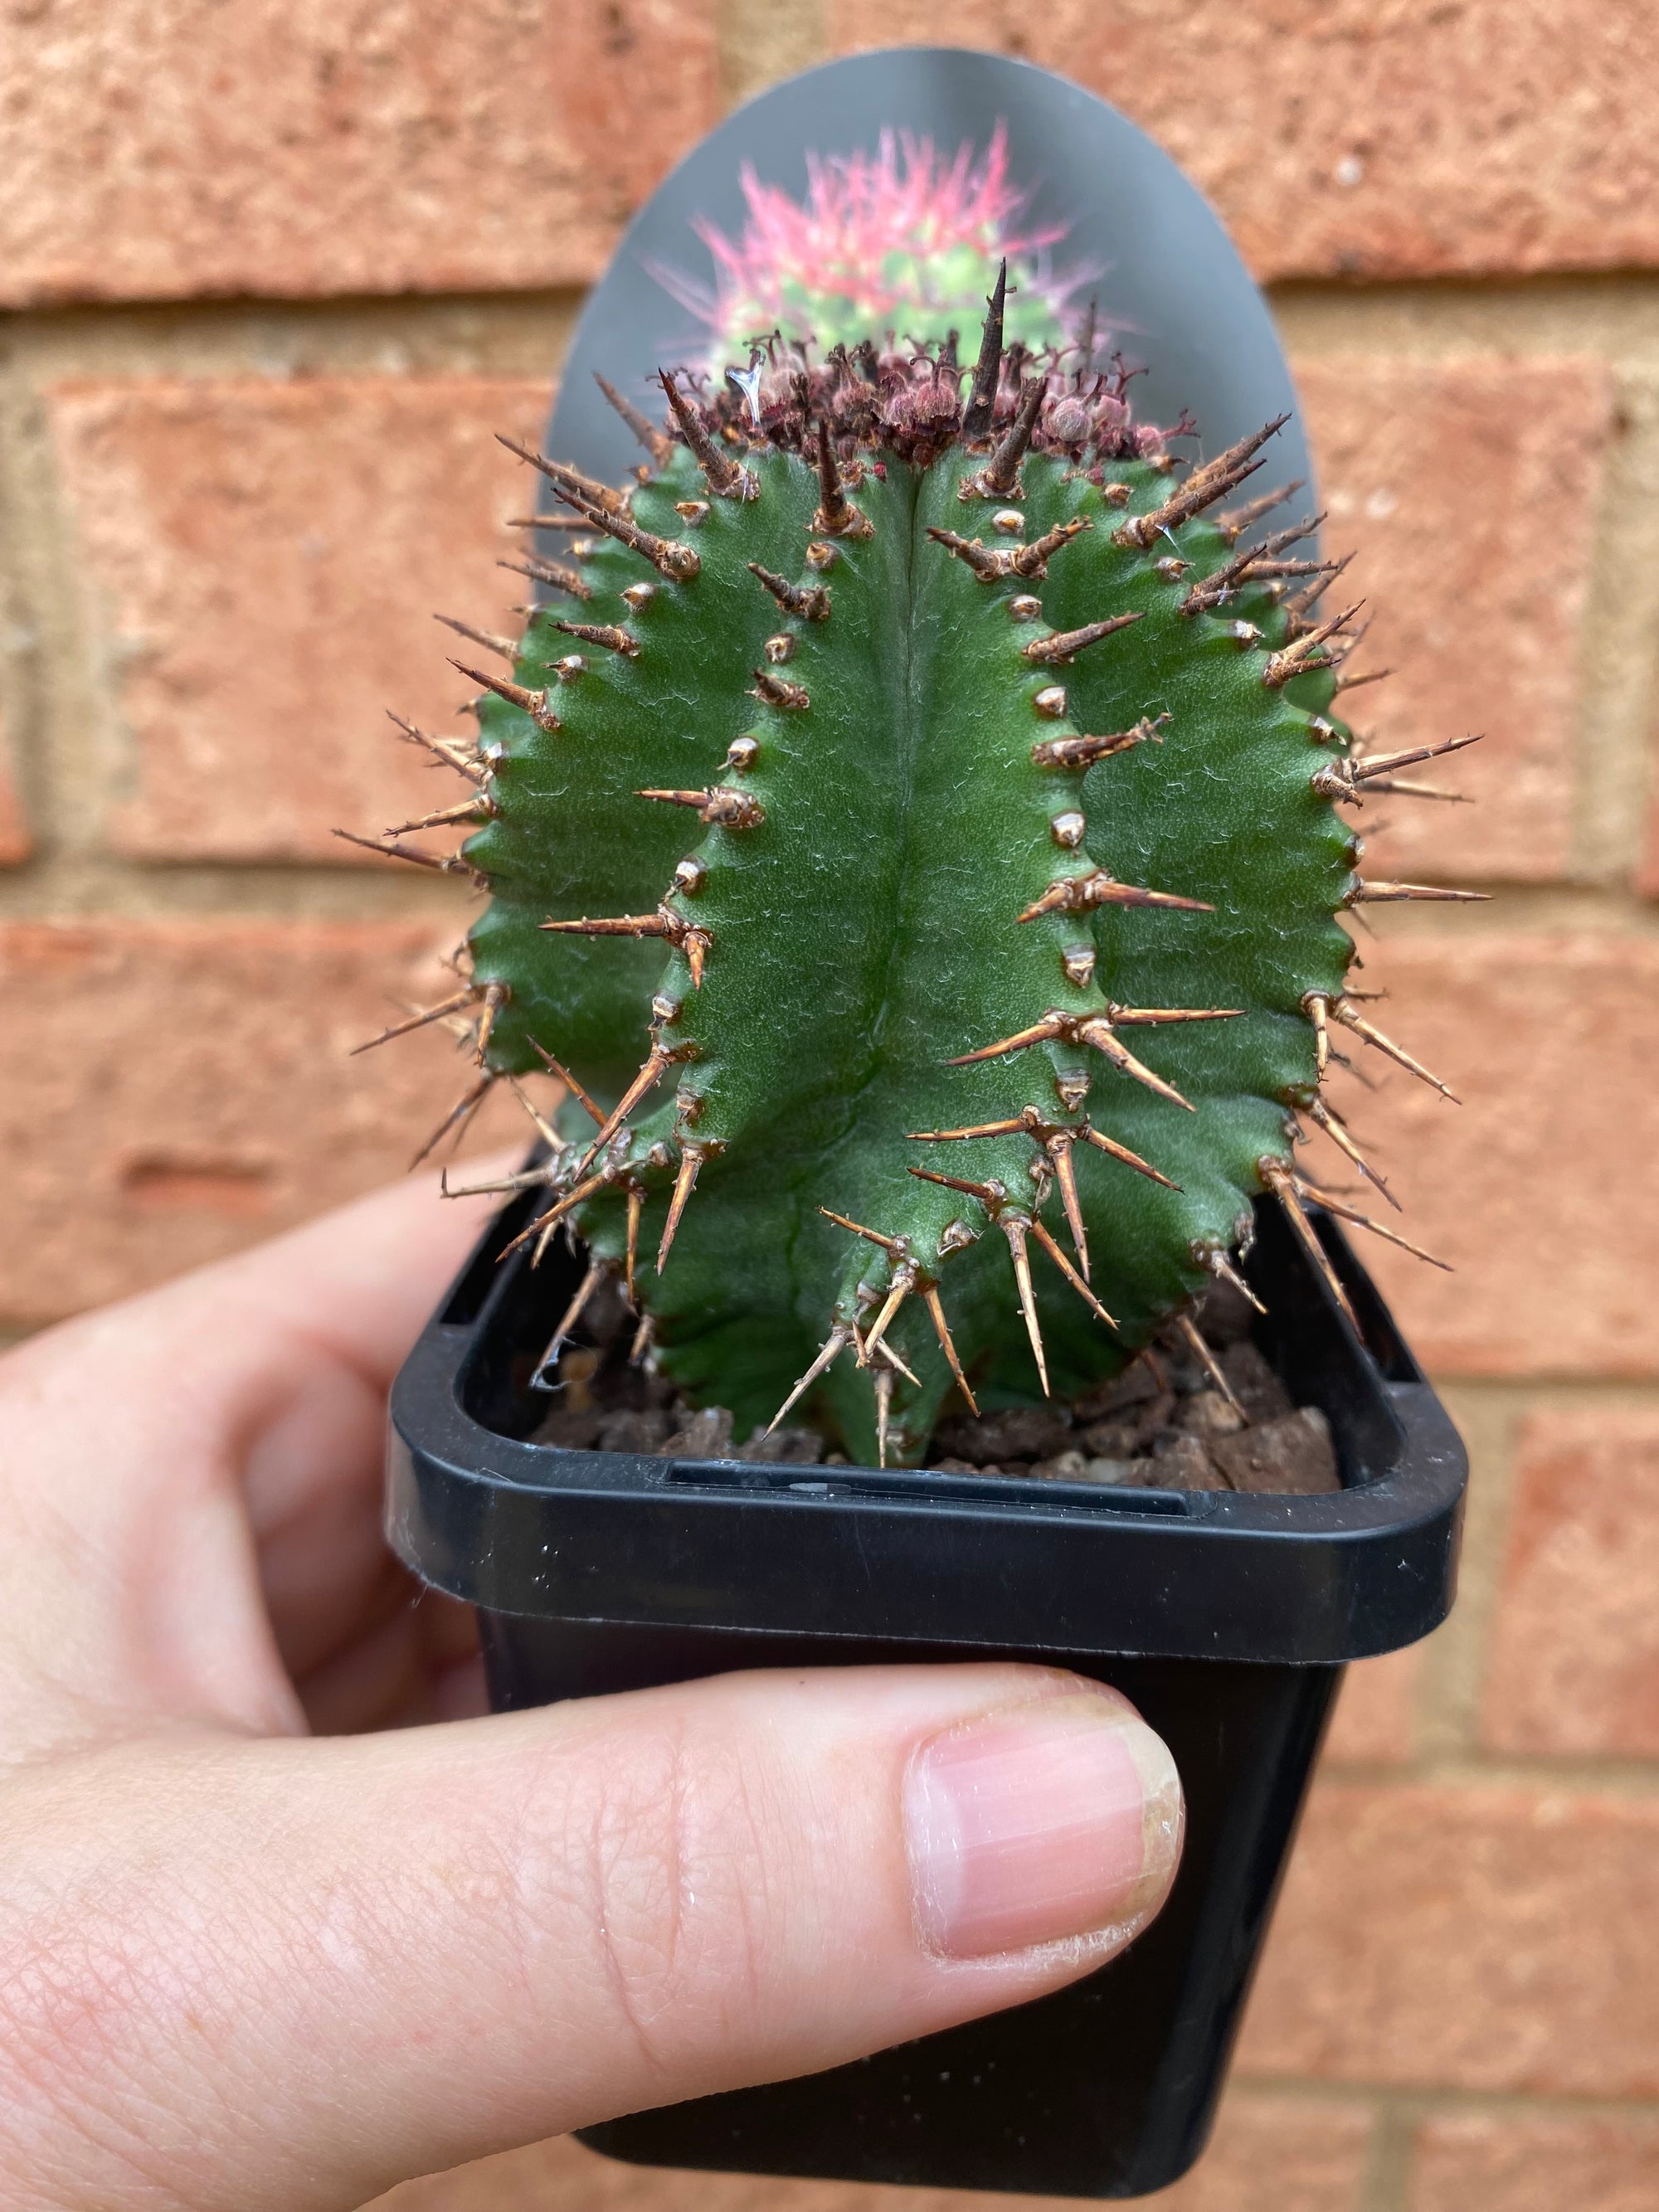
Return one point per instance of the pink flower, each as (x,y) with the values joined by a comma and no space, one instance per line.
(903,242)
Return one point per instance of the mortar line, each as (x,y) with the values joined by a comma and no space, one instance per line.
(1424,2100)
(1619,647)
(1613,313)
(1446,1724)
(1386,2180)
(67,888)
(1466,1773)
(1552,1390)
(760,41)
(1614,317)
(435,333)
(64,878)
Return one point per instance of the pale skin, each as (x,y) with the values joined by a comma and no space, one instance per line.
(286,1918)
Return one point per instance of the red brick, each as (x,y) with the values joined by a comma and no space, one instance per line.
(1269,2154)
(1375,1719)
(177,1090)
(412,147)
(1469,490)
(265,559)
(1423,139)
(1479,2162)
(1475,1938)
(1575,1652)
(17,839)
(1537,1187)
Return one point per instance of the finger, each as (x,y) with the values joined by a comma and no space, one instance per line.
(155,1447)
(389,1956)
(401,1666)
(313,1475)
(363,1281)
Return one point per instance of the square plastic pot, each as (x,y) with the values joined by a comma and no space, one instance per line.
(1227,1618)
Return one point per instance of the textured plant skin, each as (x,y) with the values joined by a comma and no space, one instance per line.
(912,833)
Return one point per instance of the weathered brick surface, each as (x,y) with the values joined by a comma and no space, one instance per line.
(264,560)
(16,838)
(162,150)
(1417,138)
(1269,2154)
(1468,490)
(1375,1720)
(1574,1665)
(174,1091)
(1536,1189)
(1474,2162)
(1478,1938)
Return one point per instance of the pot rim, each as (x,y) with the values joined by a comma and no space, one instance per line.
(919,1555)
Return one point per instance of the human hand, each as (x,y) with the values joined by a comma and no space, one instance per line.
(253,1957)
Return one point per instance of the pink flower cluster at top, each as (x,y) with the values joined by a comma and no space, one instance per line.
(903,240)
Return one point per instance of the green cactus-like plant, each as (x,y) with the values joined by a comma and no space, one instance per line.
(914,820)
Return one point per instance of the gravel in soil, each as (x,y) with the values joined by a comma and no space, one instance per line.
(1162,1424)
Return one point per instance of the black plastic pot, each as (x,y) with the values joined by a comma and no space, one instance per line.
(1227,1618)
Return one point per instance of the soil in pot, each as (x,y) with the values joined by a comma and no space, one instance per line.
(1165,1423)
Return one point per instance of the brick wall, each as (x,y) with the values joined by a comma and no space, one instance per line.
(260,325)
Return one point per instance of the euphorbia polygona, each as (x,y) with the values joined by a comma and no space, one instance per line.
(911,829)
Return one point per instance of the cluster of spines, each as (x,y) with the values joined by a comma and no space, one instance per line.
(1005,418)
(892,235)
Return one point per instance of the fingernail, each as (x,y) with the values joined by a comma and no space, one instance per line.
(1058,1819)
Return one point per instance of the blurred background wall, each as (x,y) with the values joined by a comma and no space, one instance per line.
(273,275)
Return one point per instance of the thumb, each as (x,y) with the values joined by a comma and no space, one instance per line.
(328,1966)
